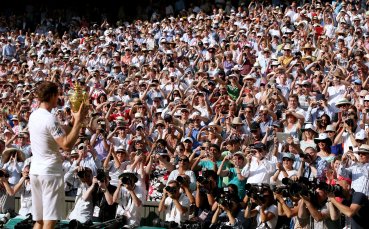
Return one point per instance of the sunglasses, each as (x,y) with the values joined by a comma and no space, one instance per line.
(184,159)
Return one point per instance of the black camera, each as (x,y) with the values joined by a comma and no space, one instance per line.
(4,174)
(282,190)
(256,191)
(101,175)
(202,180)
(303,186)
(170,189)
(225,197)
(335,189)
(180,179)
(304,156)
(128,178)
(350,122)
(81,174)
(164,224)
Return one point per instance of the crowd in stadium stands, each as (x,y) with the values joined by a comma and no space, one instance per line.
(249,116)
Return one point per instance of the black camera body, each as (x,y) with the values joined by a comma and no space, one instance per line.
(128,178)
(256,191)
(335,189)
(303,186)
(202,180)
(349,122)
(4,174)
(101,175)
(170,189)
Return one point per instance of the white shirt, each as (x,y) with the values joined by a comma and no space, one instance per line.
(128,208)
(271,223)
(44,128)
(257,173)
(115,172)
(172,213)
(278,182)
(26,199)
(359,173)
(174,174)
(83,209)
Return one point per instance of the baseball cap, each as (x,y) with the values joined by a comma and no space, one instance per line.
(188,139)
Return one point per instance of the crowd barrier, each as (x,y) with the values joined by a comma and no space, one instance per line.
(148,213)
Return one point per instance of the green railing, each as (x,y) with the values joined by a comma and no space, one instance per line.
(149,210)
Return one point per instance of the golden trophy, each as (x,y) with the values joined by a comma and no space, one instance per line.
(77,97)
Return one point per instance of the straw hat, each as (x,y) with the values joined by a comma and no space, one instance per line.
(237,121)
(363,149)
(9,152)
(308,46)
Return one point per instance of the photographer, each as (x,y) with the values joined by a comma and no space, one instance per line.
(24,188)
(6,193)
(317,107)
(174,203)
(129,197)
(102,192)
(355,205)
(227,213)
(183,169)
(83,208)
(356,170)
(206,192)
(315,205)
(266,212)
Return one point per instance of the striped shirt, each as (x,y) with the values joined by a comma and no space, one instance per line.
(359,173)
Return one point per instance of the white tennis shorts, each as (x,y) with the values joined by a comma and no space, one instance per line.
(48,197)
